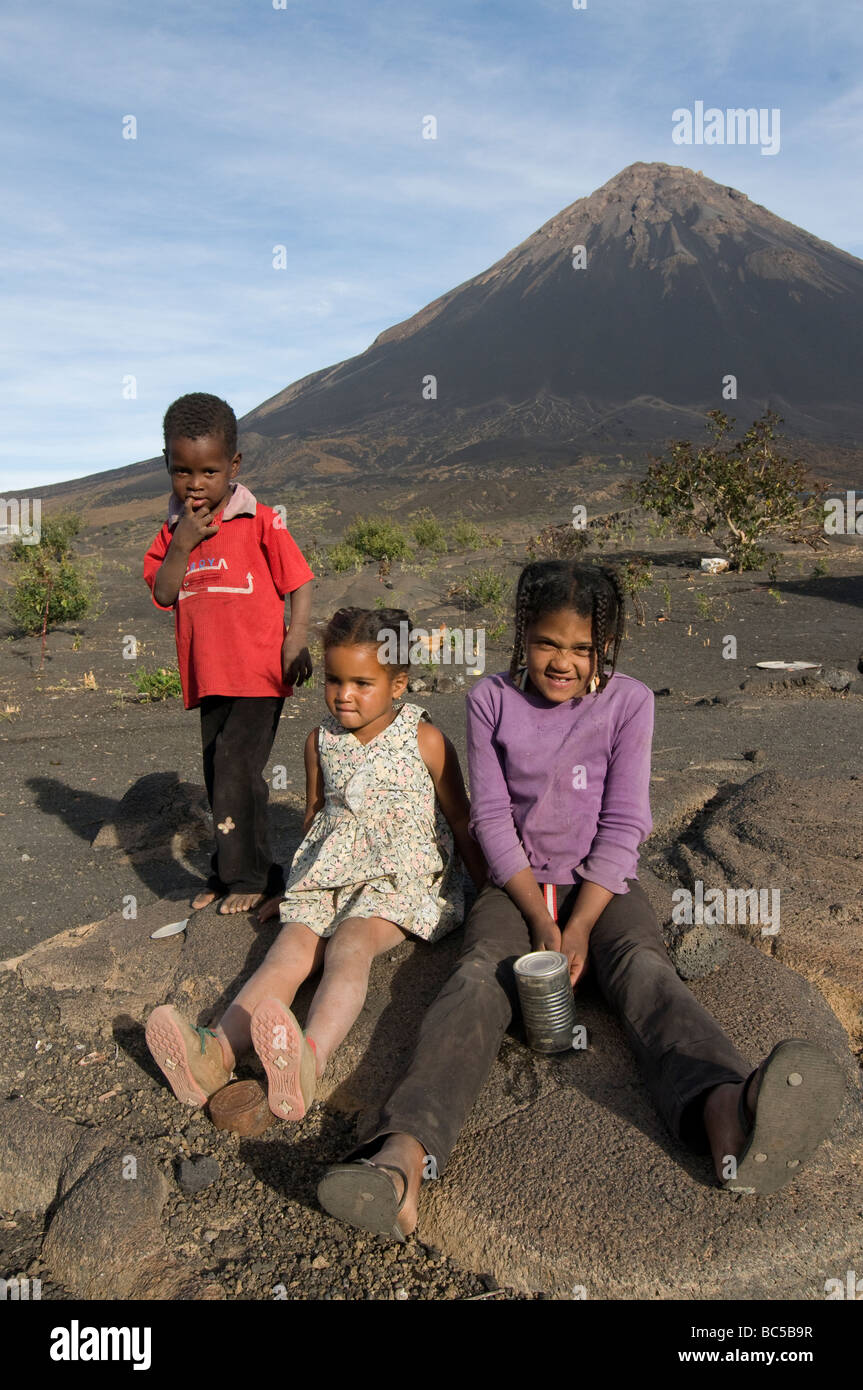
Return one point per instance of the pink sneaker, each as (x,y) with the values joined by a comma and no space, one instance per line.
(288,1058)
(190,1058)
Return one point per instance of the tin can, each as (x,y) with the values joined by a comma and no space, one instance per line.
(241,1107)
(546,999)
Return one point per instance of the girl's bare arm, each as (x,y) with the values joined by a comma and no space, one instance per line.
(314,781)
(441,759)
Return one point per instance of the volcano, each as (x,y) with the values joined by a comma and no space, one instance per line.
(632,306)
(614,327)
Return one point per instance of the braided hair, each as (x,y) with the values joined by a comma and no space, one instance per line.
(592,591)
(359,627)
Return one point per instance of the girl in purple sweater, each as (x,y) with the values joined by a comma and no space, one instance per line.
(559,757)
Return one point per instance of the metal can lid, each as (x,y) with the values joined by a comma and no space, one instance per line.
(241,1107)
(540,963)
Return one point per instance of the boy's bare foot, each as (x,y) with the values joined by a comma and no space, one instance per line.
(240,902)
(269,908)
(203,899)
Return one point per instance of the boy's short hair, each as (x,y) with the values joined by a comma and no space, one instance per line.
(197,415)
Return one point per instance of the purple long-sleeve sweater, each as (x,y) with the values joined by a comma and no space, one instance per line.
(560,788)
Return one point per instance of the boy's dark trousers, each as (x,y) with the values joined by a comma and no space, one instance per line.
(237,736)
(682,1051)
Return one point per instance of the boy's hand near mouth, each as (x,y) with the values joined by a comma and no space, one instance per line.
(193,527)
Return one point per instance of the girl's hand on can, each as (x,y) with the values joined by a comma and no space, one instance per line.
(575,943)
(545,934)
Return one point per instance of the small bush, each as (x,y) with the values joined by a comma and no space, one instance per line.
(378,539)
(559,543)
(635,575)
(344,557)
(428,533)
(317,559)
(485,588)
(738,494)
(57,533)
(51,584)
(66,594)
(465,536)
(162,684)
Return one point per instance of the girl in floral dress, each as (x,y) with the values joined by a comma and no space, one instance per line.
(385,835)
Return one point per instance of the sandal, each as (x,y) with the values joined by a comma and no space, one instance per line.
(361,1194)
(288,1058)
(190,1058)
(799,1097)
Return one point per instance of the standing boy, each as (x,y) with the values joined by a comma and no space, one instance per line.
(224,563)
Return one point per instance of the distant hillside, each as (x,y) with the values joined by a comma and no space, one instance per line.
(536,362)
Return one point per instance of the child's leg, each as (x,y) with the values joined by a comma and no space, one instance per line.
(294,955)
(458,1040)
(680,1047)
(342,992)
(242,748)
(701,1084)
(214,711)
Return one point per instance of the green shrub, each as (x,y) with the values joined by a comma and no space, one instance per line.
(564,542)
(635,575)
(737,494)
(317,559)
(65,593)
(465,536)
(485,587)
(380,540)
(56,534)
(51,585)
(428,533)
(161,684)
(344,557)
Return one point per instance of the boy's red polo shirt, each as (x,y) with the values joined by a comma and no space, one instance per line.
(230,612)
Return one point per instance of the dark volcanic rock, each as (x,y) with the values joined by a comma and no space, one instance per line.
(197,1173)
(836,678)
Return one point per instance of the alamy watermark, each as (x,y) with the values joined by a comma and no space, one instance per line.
(718,906)
(844,516)
(453,646)
(21,520)
(20,1289)
(737,125)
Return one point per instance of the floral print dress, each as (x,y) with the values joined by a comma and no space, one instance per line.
(380,846)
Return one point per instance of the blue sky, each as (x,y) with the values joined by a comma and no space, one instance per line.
(302,127)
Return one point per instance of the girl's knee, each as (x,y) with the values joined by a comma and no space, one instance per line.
(296,942)
(350,939)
